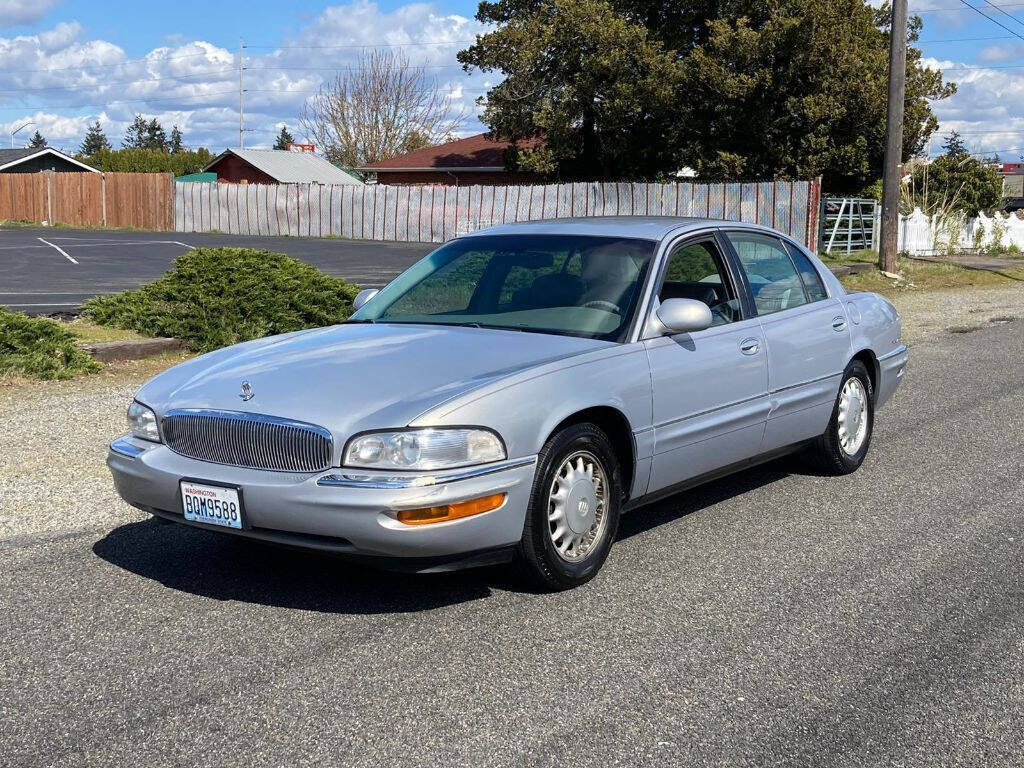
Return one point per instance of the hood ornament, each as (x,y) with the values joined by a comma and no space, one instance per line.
(247,392)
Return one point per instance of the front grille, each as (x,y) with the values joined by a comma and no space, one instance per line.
(248,440)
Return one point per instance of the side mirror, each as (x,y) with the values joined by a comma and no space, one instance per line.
(363,296)
(684,316)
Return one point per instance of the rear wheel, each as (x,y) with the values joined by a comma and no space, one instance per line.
(844,444)
(573,515)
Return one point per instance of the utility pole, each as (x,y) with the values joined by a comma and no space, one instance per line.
(894,138)
(241,104)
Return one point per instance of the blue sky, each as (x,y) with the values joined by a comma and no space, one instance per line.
(66,63)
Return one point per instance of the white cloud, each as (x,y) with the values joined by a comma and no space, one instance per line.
(985,109)
(998,54)
(68,81)
(15,12)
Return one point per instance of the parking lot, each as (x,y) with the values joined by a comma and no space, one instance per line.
(45,270)
(772,618)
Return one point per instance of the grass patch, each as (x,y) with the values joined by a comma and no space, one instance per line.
(214,297)
(89,332)
(40,348)
(863,256)
(929,276)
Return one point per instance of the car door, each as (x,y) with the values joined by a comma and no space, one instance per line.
(709,387)
(805,332)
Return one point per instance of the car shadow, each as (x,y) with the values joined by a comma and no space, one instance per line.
(679,505)
(223,567)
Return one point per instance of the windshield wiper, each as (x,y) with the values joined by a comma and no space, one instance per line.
(357,321)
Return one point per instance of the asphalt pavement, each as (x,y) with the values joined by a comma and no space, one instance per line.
(45,270)
(771,618)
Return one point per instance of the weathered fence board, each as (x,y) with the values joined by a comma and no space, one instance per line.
(139,200)
(438,213)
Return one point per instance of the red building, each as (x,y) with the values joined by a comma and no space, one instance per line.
(476,159)
(276,166)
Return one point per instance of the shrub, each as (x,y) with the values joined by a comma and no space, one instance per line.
(40,348)
(214,297)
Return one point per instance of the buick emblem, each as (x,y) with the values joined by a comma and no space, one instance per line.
(246,394)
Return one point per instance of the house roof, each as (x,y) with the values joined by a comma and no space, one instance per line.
(481,152)
(12,157)
(290,167)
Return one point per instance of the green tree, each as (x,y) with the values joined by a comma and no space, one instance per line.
(135,136)
(284,138)
(95,141)
(156,138)
(954,145)
(956,182)
(174,143)
(37,141)
(733,88)
(150,161)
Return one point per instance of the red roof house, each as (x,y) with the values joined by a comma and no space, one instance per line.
(476,159)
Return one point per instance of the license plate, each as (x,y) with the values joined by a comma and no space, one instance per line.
(211,504)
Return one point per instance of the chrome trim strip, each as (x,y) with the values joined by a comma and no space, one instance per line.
(804,383)
(125,447)
(246,416)
(419,479)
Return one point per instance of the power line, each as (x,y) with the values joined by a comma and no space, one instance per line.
(955,9)
(358,45)
(121,101)
(1007,15)
(108,85)
(998,24)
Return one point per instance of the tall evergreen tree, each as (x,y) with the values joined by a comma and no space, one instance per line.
(37,141)
(135,137)
(156,138)
(95,140)
(284,138)
(174,145)
(954,145)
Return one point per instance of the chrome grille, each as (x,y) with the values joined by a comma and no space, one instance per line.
(248,440)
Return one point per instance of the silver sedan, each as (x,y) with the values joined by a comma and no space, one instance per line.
(510,395)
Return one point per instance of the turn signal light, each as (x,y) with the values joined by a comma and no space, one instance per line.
(427,515)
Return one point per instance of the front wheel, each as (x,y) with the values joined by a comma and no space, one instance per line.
(844,444)
(573,515)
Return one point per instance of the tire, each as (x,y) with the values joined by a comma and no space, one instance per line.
(830,453)
(583,503)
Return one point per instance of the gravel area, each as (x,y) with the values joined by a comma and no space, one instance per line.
(53,448)
(53,476)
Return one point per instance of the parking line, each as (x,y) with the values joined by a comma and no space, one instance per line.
(59,250)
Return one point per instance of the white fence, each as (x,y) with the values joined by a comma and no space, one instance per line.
(438,213)
(922,235)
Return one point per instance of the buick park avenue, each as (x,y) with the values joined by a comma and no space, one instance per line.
(510,395)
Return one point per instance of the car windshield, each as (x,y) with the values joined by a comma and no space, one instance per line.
(564,284)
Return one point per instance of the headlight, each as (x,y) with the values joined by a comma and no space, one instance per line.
(424,449)
(142,422)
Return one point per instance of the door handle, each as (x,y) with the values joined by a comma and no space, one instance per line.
(749,346)
(838,323)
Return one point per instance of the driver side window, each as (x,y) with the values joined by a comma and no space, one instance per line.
(695,271)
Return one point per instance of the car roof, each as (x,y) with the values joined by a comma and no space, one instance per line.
(644,227)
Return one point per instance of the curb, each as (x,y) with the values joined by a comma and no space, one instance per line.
(851,269)
(111,351)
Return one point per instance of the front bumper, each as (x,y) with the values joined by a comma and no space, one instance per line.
(346,514)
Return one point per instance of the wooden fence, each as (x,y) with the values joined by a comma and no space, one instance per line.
(139,200)
(376,212)
(438,213)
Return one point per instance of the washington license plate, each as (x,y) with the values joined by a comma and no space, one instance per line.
(211,504)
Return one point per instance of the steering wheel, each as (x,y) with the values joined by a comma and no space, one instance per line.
(601,304)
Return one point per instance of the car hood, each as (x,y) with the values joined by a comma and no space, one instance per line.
(351,378)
